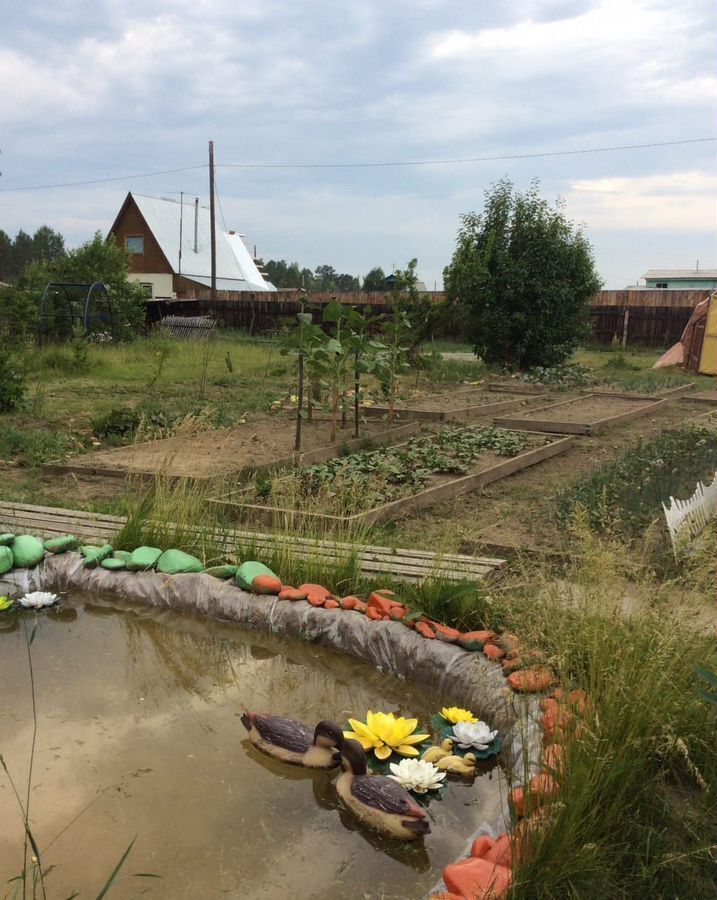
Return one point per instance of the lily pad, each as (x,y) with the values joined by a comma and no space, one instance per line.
(445,730)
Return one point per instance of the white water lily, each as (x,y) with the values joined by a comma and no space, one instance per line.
(38,600)
(476,735)
(417,775)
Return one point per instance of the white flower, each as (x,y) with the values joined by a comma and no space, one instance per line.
(38,599)
(473,734)
(417,775)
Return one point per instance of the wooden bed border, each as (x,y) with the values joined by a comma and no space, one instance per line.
(307,458)
(555,425)
(273,515)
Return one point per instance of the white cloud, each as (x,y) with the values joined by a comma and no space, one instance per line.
(676,201)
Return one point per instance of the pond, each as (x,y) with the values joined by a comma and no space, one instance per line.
(139,735)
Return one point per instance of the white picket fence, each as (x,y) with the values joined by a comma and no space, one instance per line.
(688,518)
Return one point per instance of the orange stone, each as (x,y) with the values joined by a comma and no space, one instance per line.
(360,606)
(492,651)
(316,591)
(496,850)
(380,603)
(265,584)
(554,759)
(474,640)
(330,603)
(349,602)
(290,593)
(444,633)
(374,614)
(531,680)
(477,879)
(425,630)
(316,599)
(540,788)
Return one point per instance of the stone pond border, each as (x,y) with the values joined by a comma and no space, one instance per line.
(471,678)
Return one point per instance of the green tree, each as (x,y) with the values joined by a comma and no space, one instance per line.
(524,275)
(375,280)
(95,260)
(23,253)
(47,244)
(325,278)
(6,260)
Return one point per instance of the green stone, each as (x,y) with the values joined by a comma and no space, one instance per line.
(27,551)
(143,559)
(177,562)
(226,571)
(62,544)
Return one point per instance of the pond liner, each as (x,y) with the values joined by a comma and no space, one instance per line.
(461,676)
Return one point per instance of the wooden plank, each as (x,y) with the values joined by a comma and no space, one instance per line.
(460,413)
(412,565)
(658,395)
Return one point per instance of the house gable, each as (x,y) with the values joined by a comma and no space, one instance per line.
(130,223)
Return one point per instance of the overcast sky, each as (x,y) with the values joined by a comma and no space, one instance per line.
(93,89)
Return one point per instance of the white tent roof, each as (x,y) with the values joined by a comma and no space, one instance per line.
(236,270)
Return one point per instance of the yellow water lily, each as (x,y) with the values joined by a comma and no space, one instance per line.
(5,603)
(455,714)
(385,734)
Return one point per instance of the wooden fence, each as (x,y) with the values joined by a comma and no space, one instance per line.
(653,318)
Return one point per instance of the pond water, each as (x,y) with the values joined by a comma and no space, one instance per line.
(139,735)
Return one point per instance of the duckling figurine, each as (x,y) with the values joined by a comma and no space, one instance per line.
(378,801)
(458,765)
(293,742)
(433,754)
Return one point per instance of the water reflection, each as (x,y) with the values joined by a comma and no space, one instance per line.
(139,717)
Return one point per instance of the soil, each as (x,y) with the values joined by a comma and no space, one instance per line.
(221,451)
(587,410)
(454,401)
(514,513)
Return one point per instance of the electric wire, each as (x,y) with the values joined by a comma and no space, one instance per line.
(365,165)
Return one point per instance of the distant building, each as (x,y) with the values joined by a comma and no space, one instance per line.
(149,228)
(681,279)
(390,282)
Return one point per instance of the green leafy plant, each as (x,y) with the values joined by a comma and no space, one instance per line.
(12,384)
(625,494)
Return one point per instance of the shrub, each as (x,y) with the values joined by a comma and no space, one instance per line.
(117,423)
(625,494)
(12,384)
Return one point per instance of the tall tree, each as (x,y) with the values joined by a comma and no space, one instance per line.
(325,278)
(6,260)
(47,244)
(375,280)
(23,252)
(524,275)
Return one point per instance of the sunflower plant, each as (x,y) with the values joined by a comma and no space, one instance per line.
(383,734)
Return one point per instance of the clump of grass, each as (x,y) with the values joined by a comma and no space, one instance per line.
(173,513)
(635,815)
(625,495)
(34,446)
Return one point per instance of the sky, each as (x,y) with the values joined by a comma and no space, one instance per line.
(101,89)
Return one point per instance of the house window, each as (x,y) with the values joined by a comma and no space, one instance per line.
(134,243)
(660,284)
(148,287)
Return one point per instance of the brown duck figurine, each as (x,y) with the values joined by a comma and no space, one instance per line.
(295,743)
(378,801)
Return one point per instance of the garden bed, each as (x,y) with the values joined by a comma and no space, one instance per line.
(440,485)
(459,404)
(261,446)
(659,394)
(589,414)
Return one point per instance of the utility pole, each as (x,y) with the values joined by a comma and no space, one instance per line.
(181,222)
(213,236)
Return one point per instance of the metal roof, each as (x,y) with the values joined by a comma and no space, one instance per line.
(234,262)
(680,273)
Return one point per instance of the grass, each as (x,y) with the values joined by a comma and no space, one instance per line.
(635,814)
(625,494)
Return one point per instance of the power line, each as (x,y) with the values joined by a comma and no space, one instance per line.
(449,162)
(47,187)
(364,165)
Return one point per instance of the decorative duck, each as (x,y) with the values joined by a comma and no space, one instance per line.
(436,752)
(293,742)
(458,765)
(376,800)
